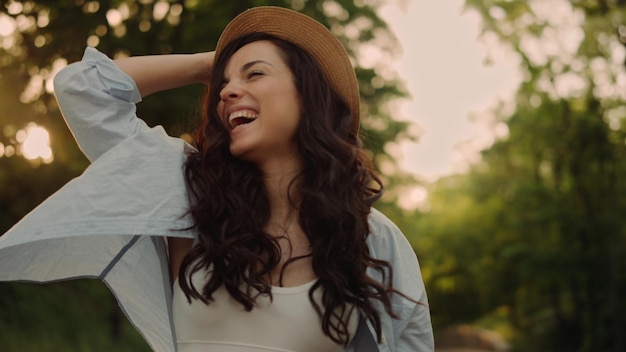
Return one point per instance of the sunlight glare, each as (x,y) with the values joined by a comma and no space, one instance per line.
(25,23)
(57,65)
(9,151)
(93,41)
(14,8)
(176,10)
(43,18)
(415,198)
(160,10)
(7,25)
(33,90)
(114,17)
(36,143)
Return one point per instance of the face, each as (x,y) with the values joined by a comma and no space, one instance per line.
(259,104)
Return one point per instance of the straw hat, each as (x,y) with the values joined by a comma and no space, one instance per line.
(309,35)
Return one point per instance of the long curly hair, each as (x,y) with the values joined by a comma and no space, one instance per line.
(336,188)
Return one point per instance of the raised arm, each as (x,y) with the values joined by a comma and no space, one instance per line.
(161,72)
(155,73)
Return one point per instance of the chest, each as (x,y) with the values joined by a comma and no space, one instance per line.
(287,323)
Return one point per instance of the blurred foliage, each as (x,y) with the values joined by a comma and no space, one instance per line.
(532,241)
(39,37)
(79,315)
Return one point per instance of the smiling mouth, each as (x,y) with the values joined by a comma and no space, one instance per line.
(241,117)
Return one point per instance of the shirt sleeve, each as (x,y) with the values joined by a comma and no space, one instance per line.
(417,336)
(98,101)
(412,331)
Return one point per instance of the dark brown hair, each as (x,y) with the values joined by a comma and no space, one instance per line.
(336,186)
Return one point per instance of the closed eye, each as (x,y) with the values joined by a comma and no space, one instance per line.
(255,73)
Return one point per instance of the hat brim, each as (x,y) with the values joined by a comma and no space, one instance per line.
(307,34)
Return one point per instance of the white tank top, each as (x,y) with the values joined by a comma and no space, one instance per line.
(289,323)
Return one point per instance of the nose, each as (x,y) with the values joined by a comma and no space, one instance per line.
(230,91)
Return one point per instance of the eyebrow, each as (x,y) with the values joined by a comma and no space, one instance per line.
(246,66)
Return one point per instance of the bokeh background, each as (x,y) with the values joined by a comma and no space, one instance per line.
(520,233)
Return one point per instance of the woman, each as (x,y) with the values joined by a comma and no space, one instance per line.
(287,253)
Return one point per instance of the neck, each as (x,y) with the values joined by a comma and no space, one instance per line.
(282,191)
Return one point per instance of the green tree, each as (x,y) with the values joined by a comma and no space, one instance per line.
(533,235)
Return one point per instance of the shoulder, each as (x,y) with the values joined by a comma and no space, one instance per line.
(385,236)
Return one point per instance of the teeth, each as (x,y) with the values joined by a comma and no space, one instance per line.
(246,114)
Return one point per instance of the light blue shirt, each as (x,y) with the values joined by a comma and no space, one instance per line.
(110,222)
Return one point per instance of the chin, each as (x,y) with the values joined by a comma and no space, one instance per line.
(240,153)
